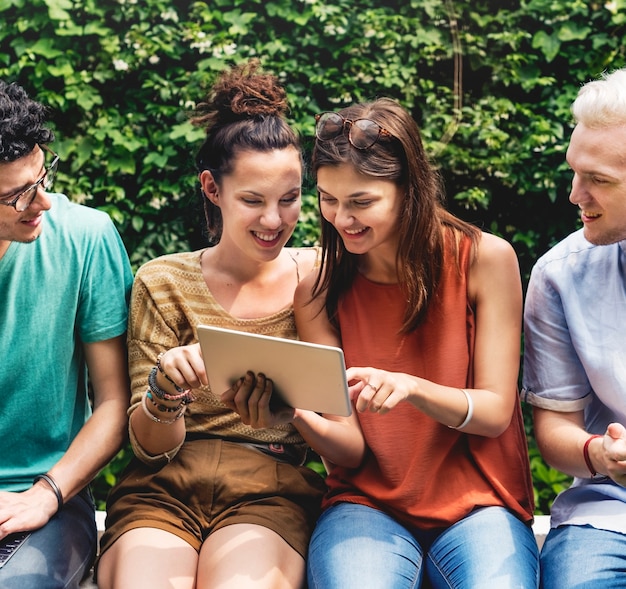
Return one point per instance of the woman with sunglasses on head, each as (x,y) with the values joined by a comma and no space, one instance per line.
(428,311)
(214,498)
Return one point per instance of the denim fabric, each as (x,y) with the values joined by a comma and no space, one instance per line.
(582,557)
(357,547)
(60,554)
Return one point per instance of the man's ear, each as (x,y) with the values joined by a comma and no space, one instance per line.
(209,186)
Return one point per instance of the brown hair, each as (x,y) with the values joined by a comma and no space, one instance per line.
(245,110)
(402,159)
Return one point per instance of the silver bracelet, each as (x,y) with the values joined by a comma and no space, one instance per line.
(470,411)
(55,488)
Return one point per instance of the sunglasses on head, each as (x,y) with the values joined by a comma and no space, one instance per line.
(362,133)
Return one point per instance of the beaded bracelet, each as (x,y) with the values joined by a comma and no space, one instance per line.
(55,488)
(184,396)
(163,408)
(154,418)
(158,365)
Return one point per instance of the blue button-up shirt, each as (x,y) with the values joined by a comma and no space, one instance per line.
(575,358)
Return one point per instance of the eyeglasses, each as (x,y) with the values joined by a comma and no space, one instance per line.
(25,198)
(362,133)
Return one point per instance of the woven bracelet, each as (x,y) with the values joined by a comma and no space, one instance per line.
(588,462)
(184,395)
(55,488)
(154,418)
(163,408)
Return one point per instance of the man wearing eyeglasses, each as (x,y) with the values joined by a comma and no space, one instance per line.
(64,284)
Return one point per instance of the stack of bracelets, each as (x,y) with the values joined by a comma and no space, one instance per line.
(155,393)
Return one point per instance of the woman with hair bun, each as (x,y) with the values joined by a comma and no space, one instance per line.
(213,497)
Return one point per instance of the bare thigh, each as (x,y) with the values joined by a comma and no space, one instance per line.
(148,558)
(249,556)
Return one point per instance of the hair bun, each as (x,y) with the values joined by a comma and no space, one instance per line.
(242,92)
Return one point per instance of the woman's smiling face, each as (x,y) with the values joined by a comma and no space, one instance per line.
(260,201)
(364,210)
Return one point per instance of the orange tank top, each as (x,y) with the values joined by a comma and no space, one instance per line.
(420,471)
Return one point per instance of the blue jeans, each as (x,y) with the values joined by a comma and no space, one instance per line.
(582,557)
(58,555)
(356,547)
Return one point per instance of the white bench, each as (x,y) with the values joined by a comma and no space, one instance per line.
(541,527)
(100,517)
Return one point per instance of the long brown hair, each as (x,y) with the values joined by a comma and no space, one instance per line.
(402,159)
(245,110)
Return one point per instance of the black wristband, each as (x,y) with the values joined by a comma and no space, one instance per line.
(55,488)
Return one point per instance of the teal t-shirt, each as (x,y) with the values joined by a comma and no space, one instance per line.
(69,286)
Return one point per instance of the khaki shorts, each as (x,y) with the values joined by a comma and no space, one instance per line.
(210,484)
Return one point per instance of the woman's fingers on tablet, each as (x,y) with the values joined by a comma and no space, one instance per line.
(264,389)
(228,396)
(258,402)
(242,395)
(250,396)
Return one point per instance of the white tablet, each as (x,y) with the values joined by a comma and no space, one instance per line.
(305,375)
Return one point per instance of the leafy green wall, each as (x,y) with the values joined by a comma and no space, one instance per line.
(489,81)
